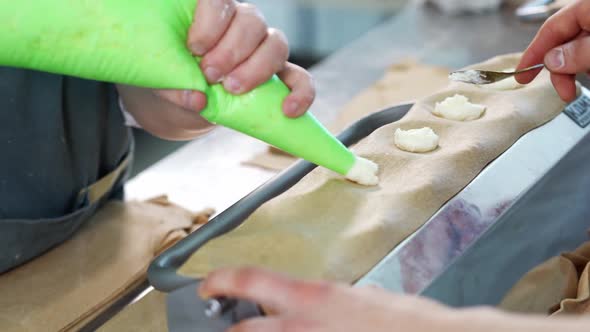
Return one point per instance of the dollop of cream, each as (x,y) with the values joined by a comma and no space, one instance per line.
(458,108)
(467,76)
(364,172)
(416,140)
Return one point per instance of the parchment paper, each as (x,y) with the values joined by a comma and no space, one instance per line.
(559,286)
(76,281)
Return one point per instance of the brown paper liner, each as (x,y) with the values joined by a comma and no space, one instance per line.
(75,282)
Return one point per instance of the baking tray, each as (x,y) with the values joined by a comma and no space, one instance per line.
(162,273)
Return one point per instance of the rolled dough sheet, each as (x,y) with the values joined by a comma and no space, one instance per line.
(73,283)
(403,82)
(325,227)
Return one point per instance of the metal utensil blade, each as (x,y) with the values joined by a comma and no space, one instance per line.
(470,76)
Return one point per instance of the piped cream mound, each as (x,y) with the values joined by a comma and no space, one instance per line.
(364,172)
(458,108)
(416,140)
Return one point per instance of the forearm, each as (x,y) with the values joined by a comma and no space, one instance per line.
(161,117)
(490,320)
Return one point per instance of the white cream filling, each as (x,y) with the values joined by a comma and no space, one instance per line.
(468,76)
(416,140)
(364,172)
(458,108)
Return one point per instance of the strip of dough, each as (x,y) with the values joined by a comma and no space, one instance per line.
(326,227)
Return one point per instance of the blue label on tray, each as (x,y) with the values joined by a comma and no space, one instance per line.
(579,111)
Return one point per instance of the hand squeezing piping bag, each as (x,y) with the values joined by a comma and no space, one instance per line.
(143,43)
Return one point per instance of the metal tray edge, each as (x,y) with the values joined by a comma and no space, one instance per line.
(162,272)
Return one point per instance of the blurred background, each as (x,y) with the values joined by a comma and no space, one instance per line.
(317,28)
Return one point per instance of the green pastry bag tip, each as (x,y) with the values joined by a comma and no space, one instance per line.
(259,114)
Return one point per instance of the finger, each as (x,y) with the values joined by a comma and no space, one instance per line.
(272,291)
(565,85)
(551,59)
(246,32)
(272,324)
(302,90)
(189,100)
(267,60)
(570,58)
(187,121)
(372,287)
(264,288)
(528,76)
(558,29)
(212,18)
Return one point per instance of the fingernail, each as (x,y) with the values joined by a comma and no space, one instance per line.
(197,49)
(292,108)
(202,293)
(190,100)
(233,85)
(555,59)
(213,74)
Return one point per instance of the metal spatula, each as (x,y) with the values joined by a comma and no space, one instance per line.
(473,76)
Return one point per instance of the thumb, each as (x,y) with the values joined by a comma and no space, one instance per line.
(570,58)
(186,99)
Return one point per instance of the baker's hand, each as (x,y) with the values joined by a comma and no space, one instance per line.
(297,306)
(239,50)
(563,44)
(242,52)
(320,306)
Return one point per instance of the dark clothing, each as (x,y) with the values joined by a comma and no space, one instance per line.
(58,135)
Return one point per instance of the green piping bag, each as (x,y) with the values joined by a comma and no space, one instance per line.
(143,43)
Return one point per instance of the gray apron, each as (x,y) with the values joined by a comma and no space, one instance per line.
(65,150)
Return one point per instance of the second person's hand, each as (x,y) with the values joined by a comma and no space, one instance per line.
(563,44)
(324,307)
(303,306)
